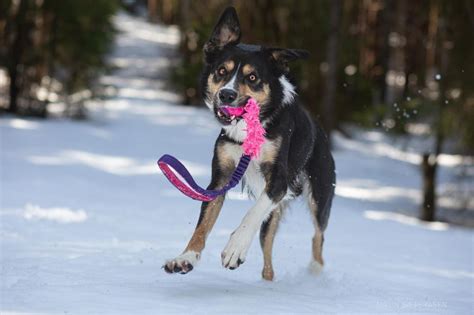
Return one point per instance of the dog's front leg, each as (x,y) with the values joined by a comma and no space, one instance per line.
(236,250)
(222,167)
(185,262)
(275,189)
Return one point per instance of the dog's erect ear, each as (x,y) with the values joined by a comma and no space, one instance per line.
(226,31)
(283,56)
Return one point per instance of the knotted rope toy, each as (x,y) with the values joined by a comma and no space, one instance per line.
(253,141)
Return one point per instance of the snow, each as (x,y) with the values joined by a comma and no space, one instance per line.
(87,219)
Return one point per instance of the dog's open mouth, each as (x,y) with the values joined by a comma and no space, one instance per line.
(229,114)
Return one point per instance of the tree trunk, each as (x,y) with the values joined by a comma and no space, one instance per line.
(166,11)
(395,76)
(429,163)
(13,89)
(15,54)
(429,166)
(329,97)
(153,11)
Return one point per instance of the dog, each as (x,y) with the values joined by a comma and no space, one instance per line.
(295,159)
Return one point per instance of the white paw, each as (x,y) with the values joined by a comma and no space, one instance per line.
(315,267)
(236,249)
(182,264)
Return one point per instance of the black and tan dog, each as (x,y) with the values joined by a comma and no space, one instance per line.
(294,160)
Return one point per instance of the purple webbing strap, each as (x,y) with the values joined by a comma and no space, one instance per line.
(192,189)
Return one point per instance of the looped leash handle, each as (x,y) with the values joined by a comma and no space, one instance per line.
(189,187)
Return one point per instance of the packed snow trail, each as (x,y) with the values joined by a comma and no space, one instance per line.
(87,220)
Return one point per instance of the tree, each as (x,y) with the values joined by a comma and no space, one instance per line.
(16,38)
(447,108)
(45,41)
(332,52)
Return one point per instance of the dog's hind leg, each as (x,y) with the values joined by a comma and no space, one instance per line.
(322,181)
(317,262)
(320,207)
(267,236)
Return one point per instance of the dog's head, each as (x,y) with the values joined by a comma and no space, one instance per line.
(234,72)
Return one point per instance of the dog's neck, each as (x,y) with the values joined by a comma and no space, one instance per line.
(236,132)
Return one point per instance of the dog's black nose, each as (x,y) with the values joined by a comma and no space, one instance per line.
(227,96)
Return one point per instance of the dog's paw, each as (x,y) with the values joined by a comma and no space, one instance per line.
(235,252)
(315,267)
(182,264)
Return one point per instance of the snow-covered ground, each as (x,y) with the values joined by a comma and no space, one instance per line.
(87,219)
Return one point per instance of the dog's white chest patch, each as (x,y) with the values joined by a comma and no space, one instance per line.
(253,177)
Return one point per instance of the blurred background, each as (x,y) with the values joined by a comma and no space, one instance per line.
(93,92)
(403,67)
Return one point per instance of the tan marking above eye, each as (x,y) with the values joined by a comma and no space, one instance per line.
(247,69)
(229,65)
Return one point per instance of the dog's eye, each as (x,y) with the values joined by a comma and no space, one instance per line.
(222,71)
(252,77)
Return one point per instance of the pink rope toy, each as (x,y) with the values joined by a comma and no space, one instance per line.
(252,144)
(255,132)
